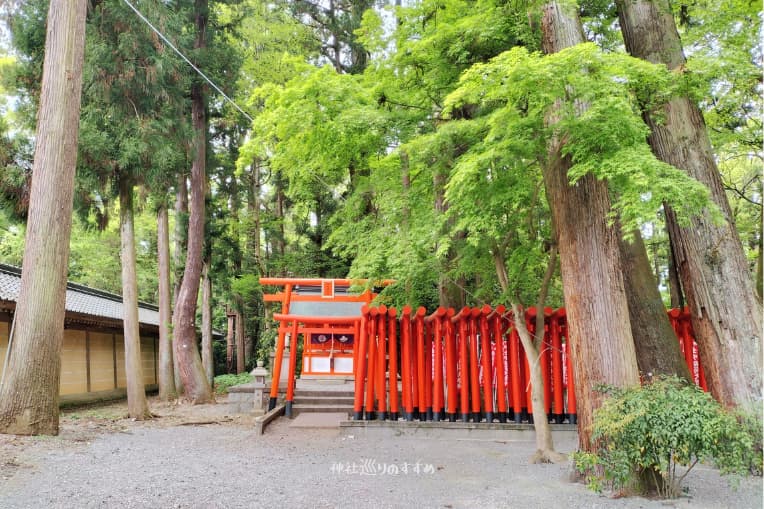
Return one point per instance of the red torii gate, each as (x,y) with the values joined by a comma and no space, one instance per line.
(327,316)
(450,363)
(471,364)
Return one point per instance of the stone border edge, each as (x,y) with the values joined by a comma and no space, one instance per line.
(264,420)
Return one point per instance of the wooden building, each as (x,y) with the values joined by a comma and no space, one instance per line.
(93,353)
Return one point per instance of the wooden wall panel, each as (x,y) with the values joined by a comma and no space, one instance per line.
(147,360)
(73,363)
(121,379)
(101,362)
(74,360)
(4,327)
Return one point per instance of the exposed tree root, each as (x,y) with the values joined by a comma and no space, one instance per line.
(548,456)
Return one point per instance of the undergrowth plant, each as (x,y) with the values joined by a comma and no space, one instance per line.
(223,382)
(655,434)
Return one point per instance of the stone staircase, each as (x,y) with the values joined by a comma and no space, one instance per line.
(315,396)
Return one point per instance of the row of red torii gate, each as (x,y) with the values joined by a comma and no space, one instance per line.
(446,365)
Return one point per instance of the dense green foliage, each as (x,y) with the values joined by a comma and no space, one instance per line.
(399,142)
(662,430)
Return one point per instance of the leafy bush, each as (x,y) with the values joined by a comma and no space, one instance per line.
(645,433)
(223,382)
(750,420)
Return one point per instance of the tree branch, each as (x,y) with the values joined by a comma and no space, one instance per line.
(741,192)
(543,292)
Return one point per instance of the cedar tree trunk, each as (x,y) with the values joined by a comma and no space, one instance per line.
(675,286)
(239,338)
(181,231)
(602,347)
(195,385)
(726,314)
(137,407)
(229,341)
(166,372)
(208,360)
(179,259)
(30,385)
(280,213)
(256,229)
(655,342)
(449,293)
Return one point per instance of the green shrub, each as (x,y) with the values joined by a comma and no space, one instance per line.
(750,420)
(223,382)
(645,433)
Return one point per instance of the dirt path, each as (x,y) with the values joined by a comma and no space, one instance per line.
(202,457)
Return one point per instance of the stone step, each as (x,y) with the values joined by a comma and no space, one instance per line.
(326,408)
(325,379)
(299,408)
(319,392)
(323,400)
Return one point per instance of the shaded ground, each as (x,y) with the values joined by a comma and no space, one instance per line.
(203,457)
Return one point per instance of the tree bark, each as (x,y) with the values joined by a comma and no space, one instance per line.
(602,347)
(252,262)
(655,342)
(239,339)
(137,407)
(760,259)
(208,361)
(30,386)
(405,207)
(166,376)
(195,384)
(450,295)
(545,452)
(726,315)
(181,232)
(179,259)
(229,341)
(501,269)
(254,207)
(258,265)
(336,56)
(675,286)
(280,213)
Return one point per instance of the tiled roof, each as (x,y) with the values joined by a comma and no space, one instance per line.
(79,299)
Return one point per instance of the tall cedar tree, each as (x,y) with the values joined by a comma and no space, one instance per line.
(179,260)
(30,386)
(195,385)
(602,347)
(166,378)
(726,314)
(208,362)
(137,406)
(138,90)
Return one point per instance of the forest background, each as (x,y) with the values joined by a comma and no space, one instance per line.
(374,143)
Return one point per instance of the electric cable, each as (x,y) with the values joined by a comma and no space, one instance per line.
(181,55)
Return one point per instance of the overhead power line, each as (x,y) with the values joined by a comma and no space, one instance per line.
(181,55)
(212,83)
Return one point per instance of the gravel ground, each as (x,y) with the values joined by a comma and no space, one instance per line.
(103,460)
